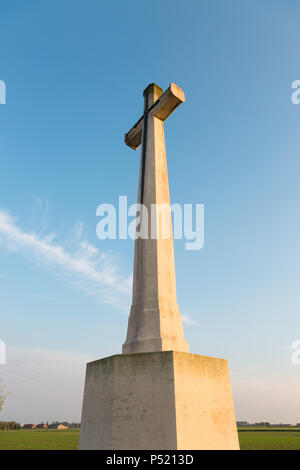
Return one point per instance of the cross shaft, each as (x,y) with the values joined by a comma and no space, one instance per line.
(155,323)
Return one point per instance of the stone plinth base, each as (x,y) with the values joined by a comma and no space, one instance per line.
(162,400)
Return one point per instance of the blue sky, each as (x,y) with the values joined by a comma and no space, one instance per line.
(75,72)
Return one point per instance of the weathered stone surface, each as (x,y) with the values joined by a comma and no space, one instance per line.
(162,400)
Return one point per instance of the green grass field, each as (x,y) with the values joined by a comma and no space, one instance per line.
(68,440)
(39,439)
(270,440)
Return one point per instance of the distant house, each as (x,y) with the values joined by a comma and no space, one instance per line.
(62,427)
(41,426)
(29,426)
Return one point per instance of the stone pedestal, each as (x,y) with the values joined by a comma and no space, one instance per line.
(159,400)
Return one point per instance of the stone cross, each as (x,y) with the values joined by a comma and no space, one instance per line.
(154,323)
(166,399)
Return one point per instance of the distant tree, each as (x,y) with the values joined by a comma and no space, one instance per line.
(72,425)
(3,396)
(9,425)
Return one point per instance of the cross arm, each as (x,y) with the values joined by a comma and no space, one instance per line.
(162,108)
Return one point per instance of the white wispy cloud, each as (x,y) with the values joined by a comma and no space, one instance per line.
(87,269)
(78,230)
(188,320)
(39,214)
